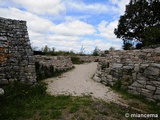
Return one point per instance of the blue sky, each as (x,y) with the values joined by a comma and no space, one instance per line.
(68,24)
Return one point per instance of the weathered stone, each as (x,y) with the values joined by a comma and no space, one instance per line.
(133,92)
(155,65)
(156,97)
(136,84)
(156,83)
(128,67)
(103,78)
(115,65)
(152,71)
(142,81)
(97,79)
(149,87)
(151,100)
(141,77)
(109,77)
(1,91)
(3,81)
(144,65)
(147,93)
(17,50)
(157,91)
(157,51)
(3,38)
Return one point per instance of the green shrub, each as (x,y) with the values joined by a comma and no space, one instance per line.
(117,84)
(76,60)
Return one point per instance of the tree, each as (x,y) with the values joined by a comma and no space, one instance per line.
(46,49)
(141,18)
(82,50)
(111,48)
(127,46)
(96,51)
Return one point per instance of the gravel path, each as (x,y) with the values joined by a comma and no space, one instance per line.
(78,82)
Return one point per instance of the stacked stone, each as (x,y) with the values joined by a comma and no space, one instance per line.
(61,63)
(19,63)
(137,70)
(89,58)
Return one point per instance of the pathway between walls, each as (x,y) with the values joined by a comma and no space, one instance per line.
(78,82)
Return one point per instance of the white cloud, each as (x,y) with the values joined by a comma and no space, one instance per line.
(121,5)
(70,34)
(73,28)
(94,8)
(107,30)
(89,44)
(41,31)
(42,7)
(34,22)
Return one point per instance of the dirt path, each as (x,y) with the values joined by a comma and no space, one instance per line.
(78,82)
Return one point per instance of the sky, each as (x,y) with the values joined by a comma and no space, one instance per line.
(68,24)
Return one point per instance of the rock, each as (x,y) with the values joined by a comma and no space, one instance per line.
(151,100)
(156,83)
(115,65)
(1,91)
(147,93)
(152,71)
(3,38)
(97,79)
(133,92)
(155,65)
(149,87)
(157,91)
(143,82)
(141,77)
(128,67)
(157,51)
(3,81)
(136,84)
(156,97)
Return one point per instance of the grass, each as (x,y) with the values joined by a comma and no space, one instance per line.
(76,60)
(22,101)
(137,101)
(26,102)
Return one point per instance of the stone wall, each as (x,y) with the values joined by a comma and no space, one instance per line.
(49,66)
(89,58)
(16,55)
(58,62)
(137,71)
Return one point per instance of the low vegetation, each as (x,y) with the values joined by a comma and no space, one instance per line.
(136,101)
(22,101)
(76,60)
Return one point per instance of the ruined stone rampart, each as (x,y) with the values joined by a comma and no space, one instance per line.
(58,62)
(137,71)
(16,55)
(89,58)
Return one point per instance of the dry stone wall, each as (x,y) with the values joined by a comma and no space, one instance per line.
(16,56)
(89,58)
(58,62)
(137,71)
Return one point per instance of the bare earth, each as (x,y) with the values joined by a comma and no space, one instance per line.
(78,82)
